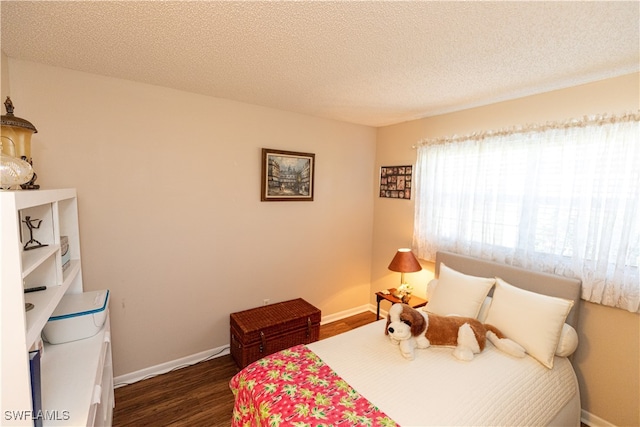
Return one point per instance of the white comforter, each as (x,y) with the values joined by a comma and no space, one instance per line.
(437,389)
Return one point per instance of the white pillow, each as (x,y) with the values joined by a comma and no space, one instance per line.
(431,287)
(568,341)
(458,293)
(484,309)
(532,320)
(567,344)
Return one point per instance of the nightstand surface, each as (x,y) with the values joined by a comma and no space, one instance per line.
(414,301)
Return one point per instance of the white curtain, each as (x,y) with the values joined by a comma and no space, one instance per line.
(561,197)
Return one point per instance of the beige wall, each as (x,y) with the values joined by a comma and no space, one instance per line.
(607,361)
(170,213)
(4,78)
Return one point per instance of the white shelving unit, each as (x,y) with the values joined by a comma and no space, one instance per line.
(77,377)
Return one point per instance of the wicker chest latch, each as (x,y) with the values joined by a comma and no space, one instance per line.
(263,342)
(263,338)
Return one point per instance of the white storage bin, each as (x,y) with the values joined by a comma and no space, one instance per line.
(77,316)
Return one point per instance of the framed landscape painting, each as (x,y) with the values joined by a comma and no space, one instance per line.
(287,175)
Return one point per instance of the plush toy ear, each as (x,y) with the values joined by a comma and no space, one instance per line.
(386,328)
(417,324)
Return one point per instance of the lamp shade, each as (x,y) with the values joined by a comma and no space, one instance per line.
(405,262)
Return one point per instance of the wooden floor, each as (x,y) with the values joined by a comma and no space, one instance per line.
(198,395)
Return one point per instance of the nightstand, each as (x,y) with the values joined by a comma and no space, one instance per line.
(414,301)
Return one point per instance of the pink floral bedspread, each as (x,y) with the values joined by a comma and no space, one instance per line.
(295,388)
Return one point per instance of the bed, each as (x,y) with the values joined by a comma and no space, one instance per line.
(360,378)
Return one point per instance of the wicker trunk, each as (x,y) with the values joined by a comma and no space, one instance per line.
(258,332)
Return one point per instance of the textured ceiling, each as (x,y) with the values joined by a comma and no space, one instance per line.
(366,62)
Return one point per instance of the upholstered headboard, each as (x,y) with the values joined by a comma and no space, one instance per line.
(542,283)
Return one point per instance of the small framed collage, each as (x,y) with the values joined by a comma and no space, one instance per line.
(396,182)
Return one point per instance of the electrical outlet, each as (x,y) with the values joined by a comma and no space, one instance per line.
(265,301)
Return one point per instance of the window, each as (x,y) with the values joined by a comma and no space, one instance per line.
(562,198)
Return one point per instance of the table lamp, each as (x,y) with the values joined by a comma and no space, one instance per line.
(404,262)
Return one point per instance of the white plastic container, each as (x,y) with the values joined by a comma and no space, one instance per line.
(78,316)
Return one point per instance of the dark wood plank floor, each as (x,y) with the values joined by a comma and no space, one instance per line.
(198,395)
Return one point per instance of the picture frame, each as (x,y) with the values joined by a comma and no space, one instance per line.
(287,176)
(396,182)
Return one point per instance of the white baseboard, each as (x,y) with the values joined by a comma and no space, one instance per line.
(347,313)
(172,365)
(594,421)
(183,362)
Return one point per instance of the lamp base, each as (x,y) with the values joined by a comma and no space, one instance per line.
(31,184)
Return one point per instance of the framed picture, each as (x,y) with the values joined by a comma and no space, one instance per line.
(287,175)
(395,182)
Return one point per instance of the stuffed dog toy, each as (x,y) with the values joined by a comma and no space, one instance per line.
(411,328)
